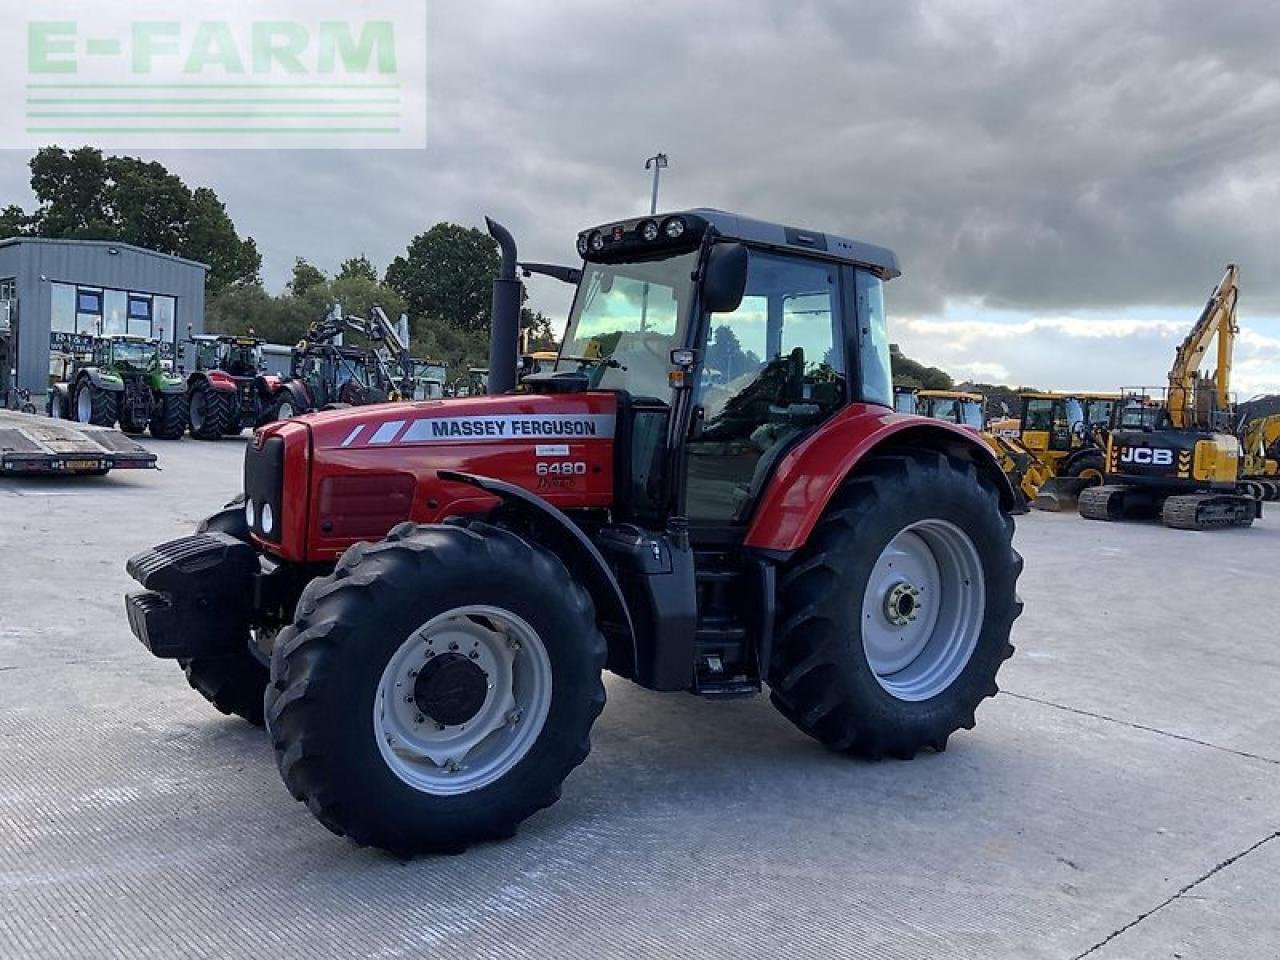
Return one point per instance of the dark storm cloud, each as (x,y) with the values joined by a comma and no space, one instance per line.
(1035,156)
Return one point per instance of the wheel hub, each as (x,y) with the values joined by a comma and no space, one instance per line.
(450,689)
(902,604)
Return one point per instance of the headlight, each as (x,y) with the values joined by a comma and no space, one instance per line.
(267,518)
(649,230)
(582,244)
(597,241)
(248,512)
(673,228)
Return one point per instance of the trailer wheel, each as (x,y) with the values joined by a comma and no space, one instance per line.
(896,616)
(169,417)
(95,405)
(209,411)
(429,695)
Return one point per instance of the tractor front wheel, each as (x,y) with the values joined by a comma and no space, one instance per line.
(233,683)
(428,695)
(897,615)
(169,416)
(95,405)
(210,412)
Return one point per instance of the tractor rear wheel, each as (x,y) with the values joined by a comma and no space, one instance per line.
(233,683)
(95,405)
(896,616)
(210,412)
(169,416)
(428,696)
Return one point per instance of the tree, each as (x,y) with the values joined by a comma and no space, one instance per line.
(359,294)
(912,373)
(726,357)
(446,276)
(538,332)
(357,267)
(305,276)
(81,194)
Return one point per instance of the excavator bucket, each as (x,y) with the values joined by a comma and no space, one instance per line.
(1059,493)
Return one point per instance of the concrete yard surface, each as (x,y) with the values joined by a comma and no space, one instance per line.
(1120,798)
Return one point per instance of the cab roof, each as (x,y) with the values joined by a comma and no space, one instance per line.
(624,239)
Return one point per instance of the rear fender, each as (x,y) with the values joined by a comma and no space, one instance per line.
(561,535)
(809,476)
(215,380)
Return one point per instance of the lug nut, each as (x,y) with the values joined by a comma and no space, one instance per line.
(475,655)
(419,718)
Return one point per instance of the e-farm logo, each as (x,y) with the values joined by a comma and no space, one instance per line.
(275,74)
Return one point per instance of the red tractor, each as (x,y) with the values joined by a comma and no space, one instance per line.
(709,492)
(227,391)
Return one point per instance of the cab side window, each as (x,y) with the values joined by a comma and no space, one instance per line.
(772,369)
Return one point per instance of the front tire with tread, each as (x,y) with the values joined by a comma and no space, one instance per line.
(326,670)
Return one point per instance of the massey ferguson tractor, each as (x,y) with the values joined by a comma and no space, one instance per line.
(419,598)
(227,391)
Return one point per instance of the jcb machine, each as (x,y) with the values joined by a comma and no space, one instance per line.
(420,597)
(1178,458)
(1067,434)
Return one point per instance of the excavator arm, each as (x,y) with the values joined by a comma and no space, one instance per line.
(1218,319)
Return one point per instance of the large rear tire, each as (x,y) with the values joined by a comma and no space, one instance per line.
(210,412)
(169,416)
(436,689)
(896,616)
(96,406)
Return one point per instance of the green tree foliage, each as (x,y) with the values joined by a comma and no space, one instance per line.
(84,195)
(911,373)
(305,277)
(726,357)
(539,334)
(358,267)
(446,276)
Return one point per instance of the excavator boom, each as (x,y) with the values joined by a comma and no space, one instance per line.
(1218,319)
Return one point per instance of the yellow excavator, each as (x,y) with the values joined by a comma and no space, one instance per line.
(1026,472)
(1177,457)
(1260,454)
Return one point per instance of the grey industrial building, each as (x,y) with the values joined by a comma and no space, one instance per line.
(57,294)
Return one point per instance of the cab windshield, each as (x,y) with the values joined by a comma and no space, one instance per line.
(626,319)
(135,353)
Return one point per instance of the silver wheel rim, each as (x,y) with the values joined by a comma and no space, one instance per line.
(197,410)
(922,610)
(285,410)
(446,760)
(84,405)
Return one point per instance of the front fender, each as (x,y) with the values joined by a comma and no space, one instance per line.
(103,381)
(808,476)
(562,536)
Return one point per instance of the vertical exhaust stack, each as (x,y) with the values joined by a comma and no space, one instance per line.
(505,329)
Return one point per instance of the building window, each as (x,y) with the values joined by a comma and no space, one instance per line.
(89,301)
(162,318)
(8,289)
(140,315)
(114,303)
(63,308)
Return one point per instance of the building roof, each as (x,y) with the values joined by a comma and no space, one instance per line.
(55,241)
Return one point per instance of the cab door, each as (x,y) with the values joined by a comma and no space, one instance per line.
(771,371)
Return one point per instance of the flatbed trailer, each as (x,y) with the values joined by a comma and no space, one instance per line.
(33,444)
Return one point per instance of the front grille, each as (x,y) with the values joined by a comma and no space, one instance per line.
(264,484)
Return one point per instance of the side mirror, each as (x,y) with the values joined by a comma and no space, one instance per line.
(724,280)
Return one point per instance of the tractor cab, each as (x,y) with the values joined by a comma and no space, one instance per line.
(127,353)
(233,355)
(727,342)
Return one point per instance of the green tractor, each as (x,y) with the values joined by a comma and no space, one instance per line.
(123,382)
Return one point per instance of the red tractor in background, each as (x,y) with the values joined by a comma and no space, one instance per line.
(227,391)
(709,492)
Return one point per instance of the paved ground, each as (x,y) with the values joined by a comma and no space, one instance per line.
(1120,800)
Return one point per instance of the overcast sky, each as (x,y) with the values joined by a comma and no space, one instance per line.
(1063,182)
